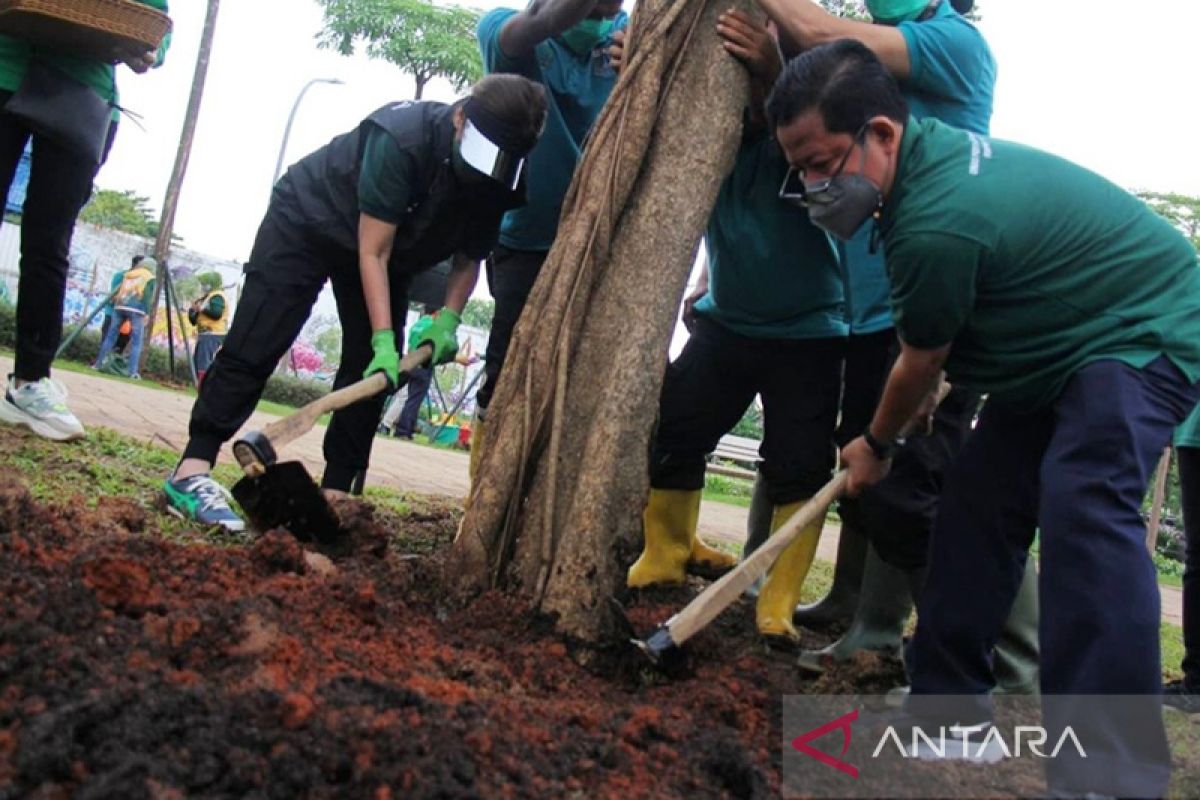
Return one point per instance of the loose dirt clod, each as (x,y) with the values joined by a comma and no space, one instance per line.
(136,667)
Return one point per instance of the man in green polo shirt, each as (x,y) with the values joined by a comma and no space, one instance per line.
(1077,310)
(562,45)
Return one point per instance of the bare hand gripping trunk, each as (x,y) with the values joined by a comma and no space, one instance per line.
(564,476)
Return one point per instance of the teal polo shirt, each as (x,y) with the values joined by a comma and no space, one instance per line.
(953,75)
(1031,267)
(772,273)
(577,88)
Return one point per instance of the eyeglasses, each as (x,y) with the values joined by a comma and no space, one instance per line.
(794,190)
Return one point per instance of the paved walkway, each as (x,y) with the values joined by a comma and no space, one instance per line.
(158,416)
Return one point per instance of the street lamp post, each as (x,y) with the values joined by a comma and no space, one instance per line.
(291,118)
(287,132)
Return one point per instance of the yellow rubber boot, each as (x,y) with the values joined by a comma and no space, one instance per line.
(708,562)
(780,591)
(669,528)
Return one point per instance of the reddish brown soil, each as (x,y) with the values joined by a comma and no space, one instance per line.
(135,667)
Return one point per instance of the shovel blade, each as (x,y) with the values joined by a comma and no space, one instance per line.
(285,496)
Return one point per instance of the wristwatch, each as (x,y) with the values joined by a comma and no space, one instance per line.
(882,450)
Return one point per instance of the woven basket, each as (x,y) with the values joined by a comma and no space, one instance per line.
(94,28)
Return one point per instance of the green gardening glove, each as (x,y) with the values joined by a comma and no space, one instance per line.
(443,335)
(386,359)
(417,334)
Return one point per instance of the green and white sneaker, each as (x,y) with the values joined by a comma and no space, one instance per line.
(42,407)
(202,500)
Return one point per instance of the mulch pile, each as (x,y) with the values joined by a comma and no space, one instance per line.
(131,667)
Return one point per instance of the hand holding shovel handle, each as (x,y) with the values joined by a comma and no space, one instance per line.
(721,594)
(257,451)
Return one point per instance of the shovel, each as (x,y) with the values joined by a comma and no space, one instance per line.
(284,495)
(706,606)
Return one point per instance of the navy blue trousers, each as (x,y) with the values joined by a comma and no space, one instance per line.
(418,389)
(1078,471)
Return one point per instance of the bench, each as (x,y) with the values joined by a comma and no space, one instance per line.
(735,448)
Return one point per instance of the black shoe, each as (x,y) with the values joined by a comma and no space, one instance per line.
(1182,695)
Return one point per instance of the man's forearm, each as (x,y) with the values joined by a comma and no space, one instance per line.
(461,282)
(803,21)
(914,376)
(541,21)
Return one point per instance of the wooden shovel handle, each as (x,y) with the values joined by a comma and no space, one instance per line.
(300,422)
(720,595)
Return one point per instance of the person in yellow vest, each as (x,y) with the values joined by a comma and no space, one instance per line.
(210,314)
(132,302)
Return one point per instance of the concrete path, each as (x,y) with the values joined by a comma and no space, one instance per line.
(161,417)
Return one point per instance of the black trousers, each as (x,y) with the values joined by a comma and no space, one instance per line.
(511,275)
(276,301)
(897,513)
(714,380)
(60,183)
(1189,479)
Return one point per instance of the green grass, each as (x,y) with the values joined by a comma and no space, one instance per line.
(1165,579)
(107,464)
(731,491)
(1172,650)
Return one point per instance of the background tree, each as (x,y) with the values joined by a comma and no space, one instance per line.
(121,211)
(329,344)
(479,312)
(1180,210)
(422,39)
(751,423)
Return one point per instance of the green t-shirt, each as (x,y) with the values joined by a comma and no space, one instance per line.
(1031,266)
(772,273)
(576,89)
(385,176)
(15,55)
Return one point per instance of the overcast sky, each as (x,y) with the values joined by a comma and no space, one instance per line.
(1110,85)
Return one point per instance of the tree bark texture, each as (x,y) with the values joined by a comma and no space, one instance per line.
(564,475)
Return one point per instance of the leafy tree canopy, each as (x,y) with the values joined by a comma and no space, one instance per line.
(479,312)
(122,211)
(421,38)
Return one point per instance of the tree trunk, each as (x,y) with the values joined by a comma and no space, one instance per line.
(421,80)
(166,225)
(564,476)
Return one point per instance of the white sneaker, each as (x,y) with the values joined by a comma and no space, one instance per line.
(42,406)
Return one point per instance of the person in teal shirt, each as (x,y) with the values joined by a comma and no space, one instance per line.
(562,45)
(1077,310)
(769,321)
(60,183)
